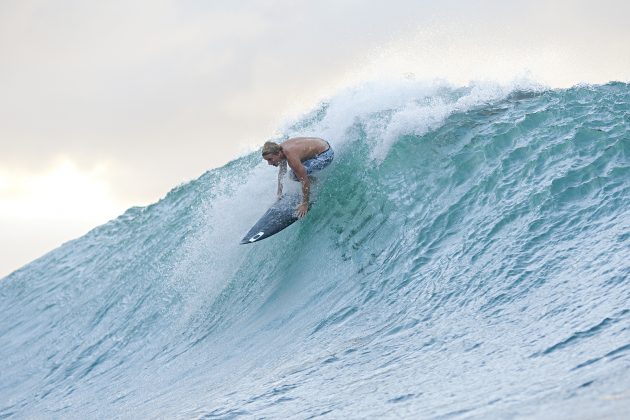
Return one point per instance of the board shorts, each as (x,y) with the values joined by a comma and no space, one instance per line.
(316,163)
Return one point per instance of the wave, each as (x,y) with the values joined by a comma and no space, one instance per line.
(467,256)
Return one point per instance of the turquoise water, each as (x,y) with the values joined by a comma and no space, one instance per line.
(468,256)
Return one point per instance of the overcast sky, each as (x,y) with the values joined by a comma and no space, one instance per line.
(109,104)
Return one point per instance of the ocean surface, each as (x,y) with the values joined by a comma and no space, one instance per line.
(468,256)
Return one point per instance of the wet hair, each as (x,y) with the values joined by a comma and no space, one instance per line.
(271,148)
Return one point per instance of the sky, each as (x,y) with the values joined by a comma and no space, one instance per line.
(109,105)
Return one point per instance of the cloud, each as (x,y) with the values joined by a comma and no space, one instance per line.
(41,210)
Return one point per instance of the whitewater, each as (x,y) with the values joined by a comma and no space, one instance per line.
(468,256)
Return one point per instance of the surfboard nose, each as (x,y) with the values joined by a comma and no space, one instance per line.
(280,215)
(249,239)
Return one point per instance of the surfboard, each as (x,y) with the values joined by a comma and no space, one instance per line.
(279,216)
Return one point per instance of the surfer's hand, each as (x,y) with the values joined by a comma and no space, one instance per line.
(301,210)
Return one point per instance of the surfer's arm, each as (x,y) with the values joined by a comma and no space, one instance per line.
(302,176)
(281,172)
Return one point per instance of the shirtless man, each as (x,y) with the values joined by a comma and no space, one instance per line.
(304,155)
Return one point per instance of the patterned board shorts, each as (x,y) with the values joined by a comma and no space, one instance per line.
(316,163)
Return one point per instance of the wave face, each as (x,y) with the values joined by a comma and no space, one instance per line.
(468,256)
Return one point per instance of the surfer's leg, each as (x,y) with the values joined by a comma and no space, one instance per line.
(322,160)
(308,165)
(294,178)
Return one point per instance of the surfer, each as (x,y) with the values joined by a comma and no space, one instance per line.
(304,155)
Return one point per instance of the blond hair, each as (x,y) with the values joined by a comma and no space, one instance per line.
(271,148)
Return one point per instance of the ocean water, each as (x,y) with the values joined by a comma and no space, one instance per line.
(468,256)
